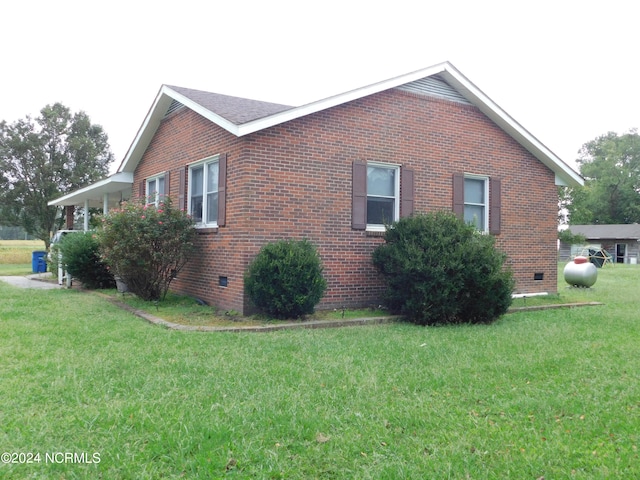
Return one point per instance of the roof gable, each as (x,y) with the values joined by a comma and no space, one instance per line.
(241,116)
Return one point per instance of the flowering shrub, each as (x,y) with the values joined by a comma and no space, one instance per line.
(146,246)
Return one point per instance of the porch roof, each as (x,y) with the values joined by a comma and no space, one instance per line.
(118,187)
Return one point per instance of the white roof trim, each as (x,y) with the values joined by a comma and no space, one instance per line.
(565,175)
(326,103)
(155,115)
(116,183)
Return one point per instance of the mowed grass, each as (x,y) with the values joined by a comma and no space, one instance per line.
(551,394)
(185,310)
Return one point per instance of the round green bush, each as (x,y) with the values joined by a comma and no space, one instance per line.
(81,256)
(440,270)
(285,279)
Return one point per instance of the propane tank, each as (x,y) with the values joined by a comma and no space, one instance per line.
(580,272)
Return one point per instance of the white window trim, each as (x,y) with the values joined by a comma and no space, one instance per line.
(155,178)
(486,203)
(375,227)
(203,163)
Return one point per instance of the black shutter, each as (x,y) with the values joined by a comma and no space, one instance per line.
(359,196)
(458,194)
(407,190)
(222,190)
(495,205)
(141,191)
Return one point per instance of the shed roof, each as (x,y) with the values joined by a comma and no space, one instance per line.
(607,232)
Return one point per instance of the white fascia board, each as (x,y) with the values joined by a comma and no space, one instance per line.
(115,183)
(206,113)
(292,114)
(152,121)
(143,137)
(565,175)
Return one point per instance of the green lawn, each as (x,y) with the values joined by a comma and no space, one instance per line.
(551,394)
(19,269)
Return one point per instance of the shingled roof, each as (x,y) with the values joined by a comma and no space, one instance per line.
(241,116)
(234,109)
(597,232)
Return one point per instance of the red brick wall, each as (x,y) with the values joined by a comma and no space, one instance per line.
(183,138)
(294,181)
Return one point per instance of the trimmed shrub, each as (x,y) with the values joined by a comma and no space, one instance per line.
(81,255)
(440,270)
(146,247)
(285,279)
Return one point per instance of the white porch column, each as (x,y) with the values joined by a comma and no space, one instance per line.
(105,203)
(86,215)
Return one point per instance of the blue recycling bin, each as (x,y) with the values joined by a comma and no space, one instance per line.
(39,262)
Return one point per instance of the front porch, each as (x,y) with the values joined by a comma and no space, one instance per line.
(106,194)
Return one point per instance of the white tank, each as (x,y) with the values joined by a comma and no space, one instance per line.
(580,272)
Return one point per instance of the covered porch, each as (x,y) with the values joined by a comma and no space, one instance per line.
(106,194)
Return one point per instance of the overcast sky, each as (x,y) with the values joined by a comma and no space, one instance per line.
(567,71)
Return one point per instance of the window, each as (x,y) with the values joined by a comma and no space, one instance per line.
(383,186)
(377,196)
(155,190)
(478,200)
(203,192)
(475,202)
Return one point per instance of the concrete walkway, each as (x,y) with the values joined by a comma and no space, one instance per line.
(37,280)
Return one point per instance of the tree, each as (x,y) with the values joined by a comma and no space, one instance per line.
(569,238)
(611,194)
(45,158)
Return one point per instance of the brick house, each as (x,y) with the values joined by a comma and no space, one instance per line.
(334,171)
